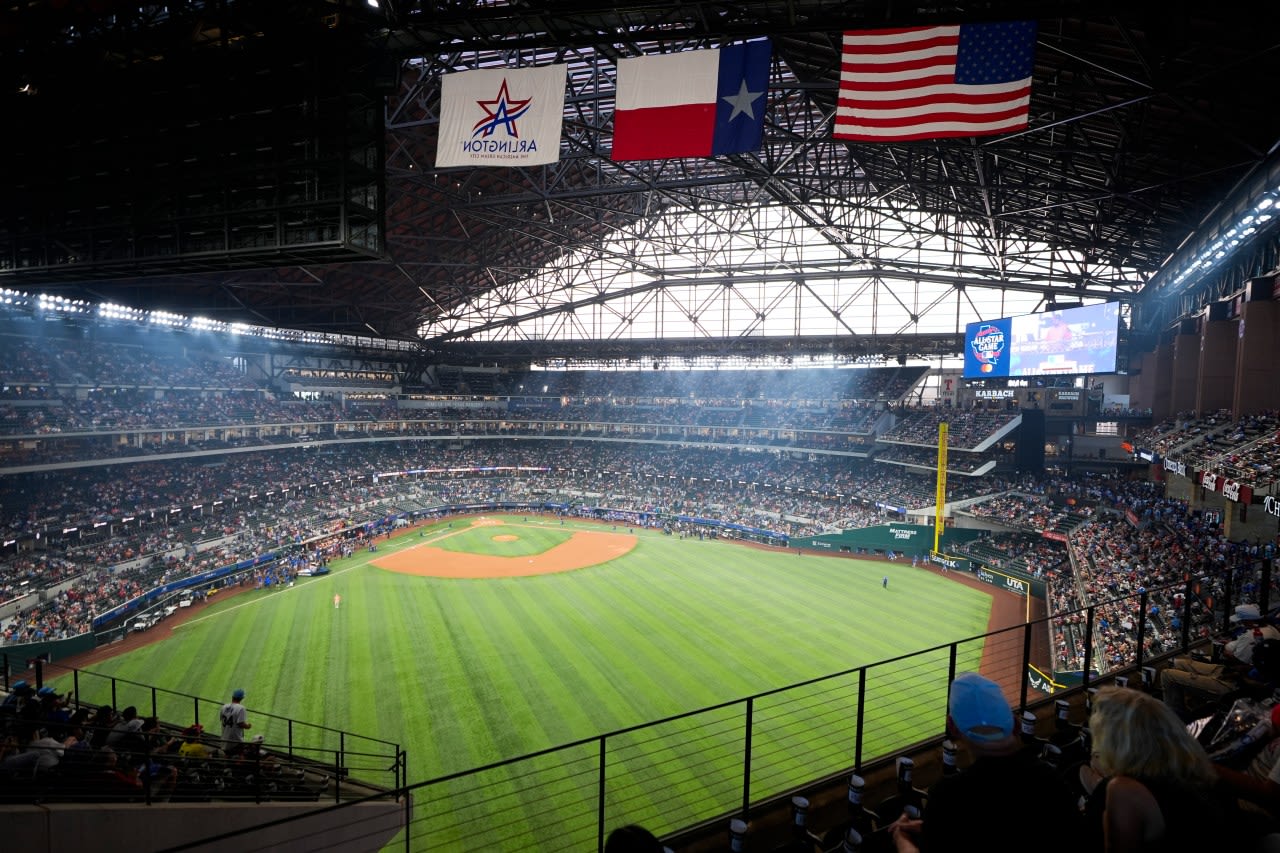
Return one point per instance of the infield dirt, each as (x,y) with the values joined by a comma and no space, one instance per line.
(584,548)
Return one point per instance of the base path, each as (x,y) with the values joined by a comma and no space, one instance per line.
(584,548)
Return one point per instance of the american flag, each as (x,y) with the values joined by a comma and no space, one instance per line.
(935,82)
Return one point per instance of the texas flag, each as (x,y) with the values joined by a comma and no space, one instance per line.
(692,104)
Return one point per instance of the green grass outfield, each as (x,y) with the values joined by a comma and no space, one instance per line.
(466,672)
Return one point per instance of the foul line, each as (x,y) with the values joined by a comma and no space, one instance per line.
(359,564)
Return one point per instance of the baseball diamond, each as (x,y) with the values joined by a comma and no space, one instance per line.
(646,625)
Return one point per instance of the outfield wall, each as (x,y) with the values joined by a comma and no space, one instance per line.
(917,540)
(1010,580)
(48,650)
(909,539)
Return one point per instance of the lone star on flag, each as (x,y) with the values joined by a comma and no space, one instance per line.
(503,110)
(743,102)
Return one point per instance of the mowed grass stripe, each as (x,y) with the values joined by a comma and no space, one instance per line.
(752,645)
(642,652)
(918,603)
(651,674)
(727,629)
(513,704)
(524,679)
(450,688)
(264,631)
(315,657)
(746,614)
(548,614)
(400,705)
(543,608)
(368,646)
(598,640)
(230,662)
(790,642)
(279,653)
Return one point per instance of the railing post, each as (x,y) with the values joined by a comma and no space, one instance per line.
(862,704)
(952,662)
(408,817)
(600,789)
(337,777)
(746,760)
(39,673)
(1026,661)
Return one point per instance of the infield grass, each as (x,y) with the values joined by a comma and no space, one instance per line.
(530,540)
(466,672)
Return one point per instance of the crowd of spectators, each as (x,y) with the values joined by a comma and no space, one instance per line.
(54,750)
(627,441)
(110,426)
(966,428)
(1184,429)
(38,364)
(1244,449)
(958,461)
(152,522)
(813,384)
(1028,553)
(1100,540)
(148,523)
(123,409)
(1032,513)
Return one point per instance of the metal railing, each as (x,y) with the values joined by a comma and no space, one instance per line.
(354,763)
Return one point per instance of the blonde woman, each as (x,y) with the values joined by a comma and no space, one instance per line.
(1152,784)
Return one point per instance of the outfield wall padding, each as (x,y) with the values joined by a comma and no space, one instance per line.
(20,656)
(906,539)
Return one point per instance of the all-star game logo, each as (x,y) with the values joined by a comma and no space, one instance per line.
(988,346)
(500,113)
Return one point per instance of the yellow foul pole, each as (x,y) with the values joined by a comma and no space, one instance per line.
(941,498)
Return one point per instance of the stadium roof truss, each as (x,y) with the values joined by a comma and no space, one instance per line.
(1142,126)
(794,241)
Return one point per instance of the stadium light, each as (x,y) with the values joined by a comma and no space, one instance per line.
(1244,228)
